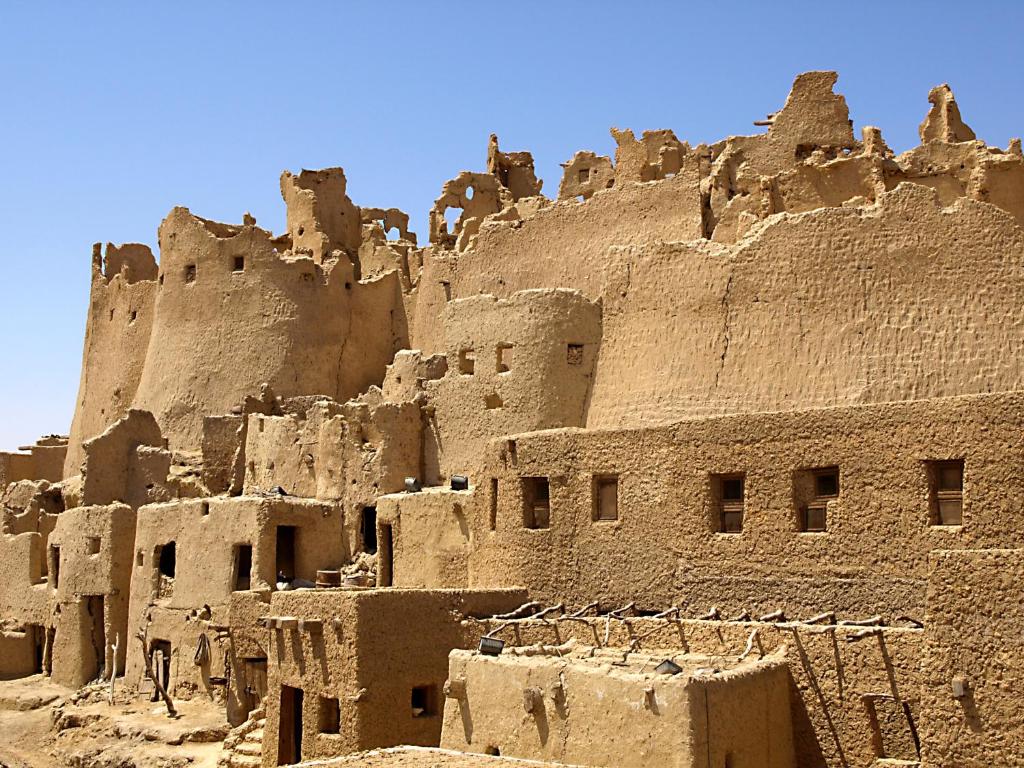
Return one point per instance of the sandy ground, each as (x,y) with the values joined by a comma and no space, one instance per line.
(45,726)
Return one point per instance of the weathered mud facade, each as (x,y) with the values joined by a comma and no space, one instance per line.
(714,459)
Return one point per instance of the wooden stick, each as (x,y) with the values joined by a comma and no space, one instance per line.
(149,673)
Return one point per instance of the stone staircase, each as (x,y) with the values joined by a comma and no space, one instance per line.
(243,747)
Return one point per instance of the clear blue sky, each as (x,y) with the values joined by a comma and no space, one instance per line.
(115,112)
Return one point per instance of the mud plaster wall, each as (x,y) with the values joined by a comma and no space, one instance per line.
(375,645)
(832,307)
(592,713)
(975,615)
(354,451)
(431,537)
(41,462)
(117,330)
(562,245)
(24,591)
(510,370)
(85,573)
(665,545)
(830,675)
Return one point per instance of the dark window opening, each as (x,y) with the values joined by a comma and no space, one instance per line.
(606,498)
(826,483)
(424,701)
(492,520)
(284,558)
(368,529)
(329,716)
(243,568)
(138,558)
(94,545)
(729,497)
(190,273)
(493,401)
(492,751)
(167,560)
(467,362)
(239,264)
(204,508)
(946,492)
(574,354)
(132,317)
(536,502)
(584,175)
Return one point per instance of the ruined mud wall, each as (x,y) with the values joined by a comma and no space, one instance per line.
(563,245)
(117,333)
(833,307)
(232,313)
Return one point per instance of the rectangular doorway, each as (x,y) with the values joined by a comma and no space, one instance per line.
(38,633)
(97,635)
(284,558)
(255,683)
(289,726)
(160,652)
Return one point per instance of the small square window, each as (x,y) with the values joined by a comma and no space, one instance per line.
(329,715)
(584,175)
(826,483)
(239,264)
(814,518)
(190,273)
(812,491)
(574,354)
(424,701)
(606,498)
(536,502)
(503,364)
(946,492)
(729,497)
(94,545)
(467,362)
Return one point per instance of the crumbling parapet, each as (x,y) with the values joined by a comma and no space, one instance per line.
(514,170)
(477,195)
(321,218)
(658,155)
(943,122)
(586,174)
